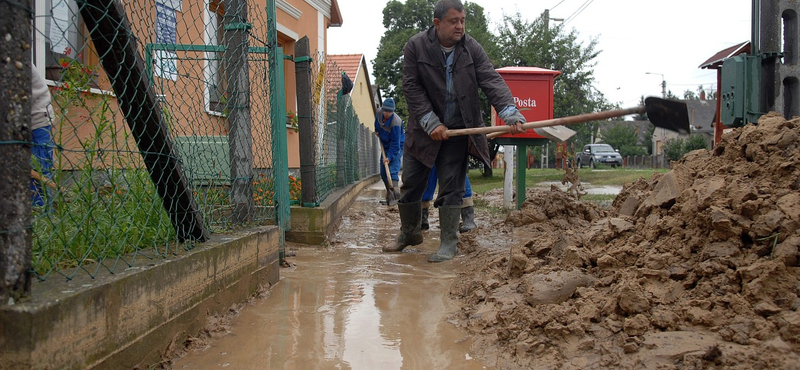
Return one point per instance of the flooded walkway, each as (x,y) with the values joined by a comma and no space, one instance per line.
(350,306)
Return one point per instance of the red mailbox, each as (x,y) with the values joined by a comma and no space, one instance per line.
(533,93)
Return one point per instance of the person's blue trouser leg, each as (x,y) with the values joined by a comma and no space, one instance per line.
(42,162)
(431,189)
(428,195)
(467,189)
(394,167)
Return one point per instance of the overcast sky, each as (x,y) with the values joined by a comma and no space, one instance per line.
(671,38)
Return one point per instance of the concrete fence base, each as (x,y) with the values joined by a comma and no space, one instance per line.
(128,319)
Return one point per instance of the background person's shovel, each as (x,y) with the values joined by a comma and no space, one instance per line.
(667,114)
(392,195)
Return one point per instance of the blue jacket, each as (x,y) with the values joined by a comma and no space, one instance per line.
(391,134)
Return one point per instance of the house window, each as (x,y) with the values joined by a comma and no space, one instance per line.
(215,67)
(60,37)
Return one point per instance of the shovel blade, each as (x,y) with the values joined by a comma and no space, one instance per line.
(668,114)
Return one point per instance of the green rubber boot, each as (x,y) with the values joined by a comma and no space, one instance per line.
(467,219)
(449,216)
(410,234)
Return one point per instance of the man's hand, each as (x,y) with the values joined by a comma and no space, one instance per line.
(439,133)
(385,160)
(514,123)
(515,129)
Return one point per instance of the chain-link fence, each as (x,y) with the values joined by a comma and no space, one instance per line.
(340,148)
(162,129)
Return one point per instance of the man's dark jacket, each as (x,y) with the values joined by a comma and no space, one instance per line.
(425,88)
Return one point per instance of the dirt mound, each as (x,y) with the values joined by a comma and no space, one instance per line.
(696,268)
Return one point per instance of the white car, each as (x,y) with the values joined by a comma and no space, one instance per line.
(592,154)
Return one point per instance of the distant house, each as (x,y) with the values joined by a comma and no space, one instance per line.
(365,98)
(701,121)
(180,41)
(702,114)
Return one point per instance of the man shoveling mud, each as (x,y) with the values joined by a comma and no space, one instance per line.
(389,128)
(442,71)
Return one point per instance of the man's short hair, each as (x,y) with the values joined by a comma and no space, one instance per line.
(444,6)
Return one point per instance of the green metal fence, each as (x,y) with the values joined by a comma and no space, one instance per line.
(346,150)
(164,129)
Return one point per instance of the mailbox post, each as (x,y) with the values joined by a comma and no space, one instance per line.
(533,93)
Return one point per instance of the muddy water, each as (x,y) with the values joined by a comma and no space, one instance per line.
(349,306)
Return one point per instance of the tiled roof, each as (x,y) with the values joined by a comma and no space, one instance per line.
(716,60)
(336,64)
(701,114)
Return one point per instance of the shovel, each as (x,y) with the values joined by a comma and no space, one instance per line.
(392,196)
(667,114)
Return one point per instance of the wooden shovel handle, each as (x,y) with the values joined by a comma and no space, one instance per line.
(564,121)
(385,165)
(38,177)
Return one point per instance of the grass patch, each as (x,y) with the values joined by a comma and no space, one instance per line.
(596,177)
(604,176)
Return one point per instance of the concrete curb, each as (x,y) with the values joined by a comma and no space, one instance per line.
(314,225)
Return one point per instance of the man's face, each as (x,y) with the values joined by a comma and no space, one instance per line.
(450,29)
(386,114)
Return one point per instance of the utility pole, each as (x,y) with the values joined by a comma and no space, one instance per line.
(657,145)
(663,84)
(547,19)
(15,110)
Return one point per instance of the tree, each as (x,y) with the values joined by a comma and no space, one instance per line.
(641,116)
(624,138)
(537,44)
(701,93)
(676,148)
(672,96)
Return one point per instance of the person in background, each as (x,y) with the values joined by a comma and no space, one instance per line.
(443,70)
(467,205)
(42,148)
(389,128)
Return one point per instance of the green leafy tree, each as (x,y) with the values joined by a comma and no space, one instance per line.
(676,148)
(537,44)
(623,138)
(695,95)
(672,96)
(641,116)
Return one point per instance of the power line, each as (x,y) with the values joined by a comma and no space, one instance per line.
(579,11)
(559,3)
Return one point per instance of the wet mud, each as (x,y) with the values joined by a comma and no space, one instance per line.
(346,305)
(693,269)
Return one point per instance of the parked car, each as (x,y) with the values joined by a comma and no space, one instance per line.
(592,154)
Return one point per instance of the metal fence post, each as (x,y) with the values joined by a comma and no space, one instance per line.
(362,151)
(305,124)
(341,138)
(280,154)
(15,110)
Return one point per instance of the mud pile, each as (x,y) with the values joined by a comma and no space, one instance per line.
(696,268)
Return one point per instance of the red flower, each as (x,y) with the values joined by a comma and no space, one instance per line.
(64,63)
